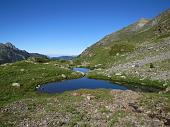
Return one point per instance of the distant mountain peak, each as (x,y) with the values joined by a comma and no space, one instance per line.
(142,22)
(145,20)
(9,53)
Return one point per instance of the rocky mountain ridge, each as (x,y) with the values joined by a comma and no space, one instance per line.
(9,53)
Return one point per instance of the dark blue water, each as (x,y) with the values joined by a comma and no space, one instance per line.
(81,83)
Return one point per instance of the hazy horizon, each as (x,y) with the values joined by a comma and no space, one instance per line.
(61,27)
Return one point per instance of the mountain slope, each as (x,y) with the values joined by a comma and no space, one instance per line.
(140,50)
(9,53)
(128,39)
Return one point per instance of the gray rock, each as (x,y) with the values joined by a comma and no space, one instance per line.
(167,90)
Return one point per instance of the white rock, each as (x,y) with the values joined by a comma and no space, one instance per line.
(22,70)
(37,87)
(80,72)
(63,75)
(117,54)
(123,76)
(141,79)
(88,97)
(133,65)
(109,76)
(165,84)
(118,74)
(107,116)
(99,69)
(16,84)
(95,110)
(97,65)
(167,89)
(150,48)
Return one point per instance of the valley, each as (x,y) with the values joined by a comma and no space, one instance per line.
(132,63)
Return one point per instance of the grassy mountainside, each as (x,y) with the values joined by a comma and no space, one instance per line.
(140,50)
(131,38)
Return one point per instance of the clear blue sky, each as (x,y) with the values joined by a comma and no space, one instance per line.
(67,27)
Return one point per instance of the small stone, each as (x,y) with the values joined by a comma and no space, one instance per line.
(75,94)
(123,76)
(150,48)
(46,63)
(63,75)
(165,84)
(88,97)
(167,90)
(118,74)
(16,84)
(37,87)
(95,110)
(22,70)
(109,76)
(133,65)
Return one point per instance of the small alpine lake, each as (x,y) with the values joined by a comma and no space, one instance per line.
(81,83)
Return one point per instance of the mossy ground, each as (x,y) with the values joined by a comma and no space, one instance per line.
(29,75)
(132,82)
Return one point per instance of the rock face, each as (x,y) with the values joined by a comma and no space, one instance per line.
(9,53)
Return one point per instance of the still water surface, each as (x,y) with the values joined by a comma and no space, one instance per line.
(81,83)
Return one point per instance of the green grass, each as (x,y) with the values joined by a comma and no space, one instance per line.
(29,75)
(132,82)
(121,48)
